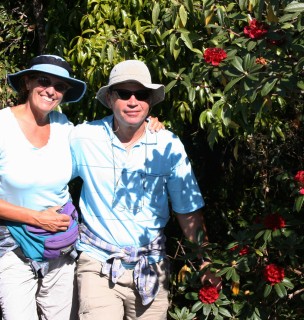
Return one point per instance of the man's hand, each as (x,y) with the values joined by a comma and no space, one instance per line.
(210,277)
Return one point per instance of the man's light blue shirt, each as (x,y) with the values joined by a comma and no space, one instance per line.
(125,195)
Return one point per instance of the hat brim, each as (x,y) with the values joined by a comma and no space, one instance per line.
(74,94)
(157,95)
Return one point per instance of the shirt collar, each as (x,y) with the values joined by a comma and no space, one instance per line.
(151,138)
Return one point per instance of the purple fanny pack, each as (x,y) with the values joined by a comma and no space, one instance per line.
(41,245)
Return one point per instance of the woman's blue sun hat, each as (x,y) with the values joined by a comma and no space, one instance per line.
(55,66)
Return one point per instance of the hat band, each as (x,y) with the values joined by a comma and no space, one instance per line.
(51,68)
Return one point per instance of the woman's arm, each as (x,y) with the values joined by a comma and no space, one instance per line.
(48,219)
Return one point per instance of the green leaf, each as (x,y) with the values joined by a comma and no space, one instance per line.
(191,295)
(223,271)
(224,312)
(173,315)
(299,203)
(267,290)
(294,7)
(183,15)
(259,253)
(155,12)
(300,84)
(251,45)
(170,85)
(206,309)
(229,273)
(247,62)
(172,43)
(214,309)
(217,106)
(268,86)
(287,283)
(280,290)
(203,119)
(192,94)
(231,74)
(237,63)
(232,83)
(184,36)
(197,306)
(177,49)
(259,234)
(234,276)
(267,235)
(197,51)
(237,307)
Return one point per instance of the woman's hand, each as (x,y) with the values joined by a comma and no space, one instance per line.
(51,220)
(154,125)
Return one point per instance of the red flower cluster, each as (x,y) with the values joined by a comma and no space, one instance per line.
(274,221)
(261,60)
(214,56)
(245,250)
(273,274)
(299,178)
(208,294)
(255,30)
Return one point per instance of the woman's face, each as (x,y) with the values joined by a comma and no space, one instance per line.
(45,91)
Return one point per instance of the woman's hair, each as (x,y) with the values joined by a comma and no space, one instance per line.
(23,93)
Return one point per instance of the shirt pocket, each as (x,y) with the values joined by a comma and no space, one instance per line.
(155,184)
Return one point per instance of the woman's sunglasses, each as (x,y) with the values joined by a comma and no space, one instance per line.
(140,95)
(46,82)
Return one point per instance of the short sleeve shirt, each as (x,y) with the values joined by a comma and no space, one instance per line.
(126,195)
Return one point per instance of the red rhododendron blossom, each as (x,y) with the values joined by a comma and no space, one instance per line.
(208,294)
(273,274)
(214,56)
(301,191)
(255,30)
(234,247)
(274,221)
(245,250)
(299,177)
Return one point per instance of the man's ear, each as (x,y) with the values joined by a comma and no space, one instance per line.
(109,99)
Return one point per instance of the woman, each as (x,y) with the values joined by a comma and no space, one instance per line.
(35,168)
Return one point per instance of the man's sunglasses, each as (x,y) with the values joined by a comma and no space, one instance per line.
(46,82)
(140,95)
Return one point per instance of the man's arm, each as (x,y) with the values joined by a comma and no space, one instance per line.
(190,223)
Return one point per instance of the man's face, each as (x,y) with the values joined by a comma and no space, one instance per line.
(130,103)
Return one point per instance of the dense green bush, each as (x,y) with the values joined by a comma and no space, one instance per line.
(16,34)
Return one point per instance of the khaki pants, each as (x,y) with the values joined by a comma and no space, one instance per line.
(21,293)
(100,299)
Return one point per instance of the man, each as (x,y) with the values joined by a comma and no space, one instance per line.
(129,176)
